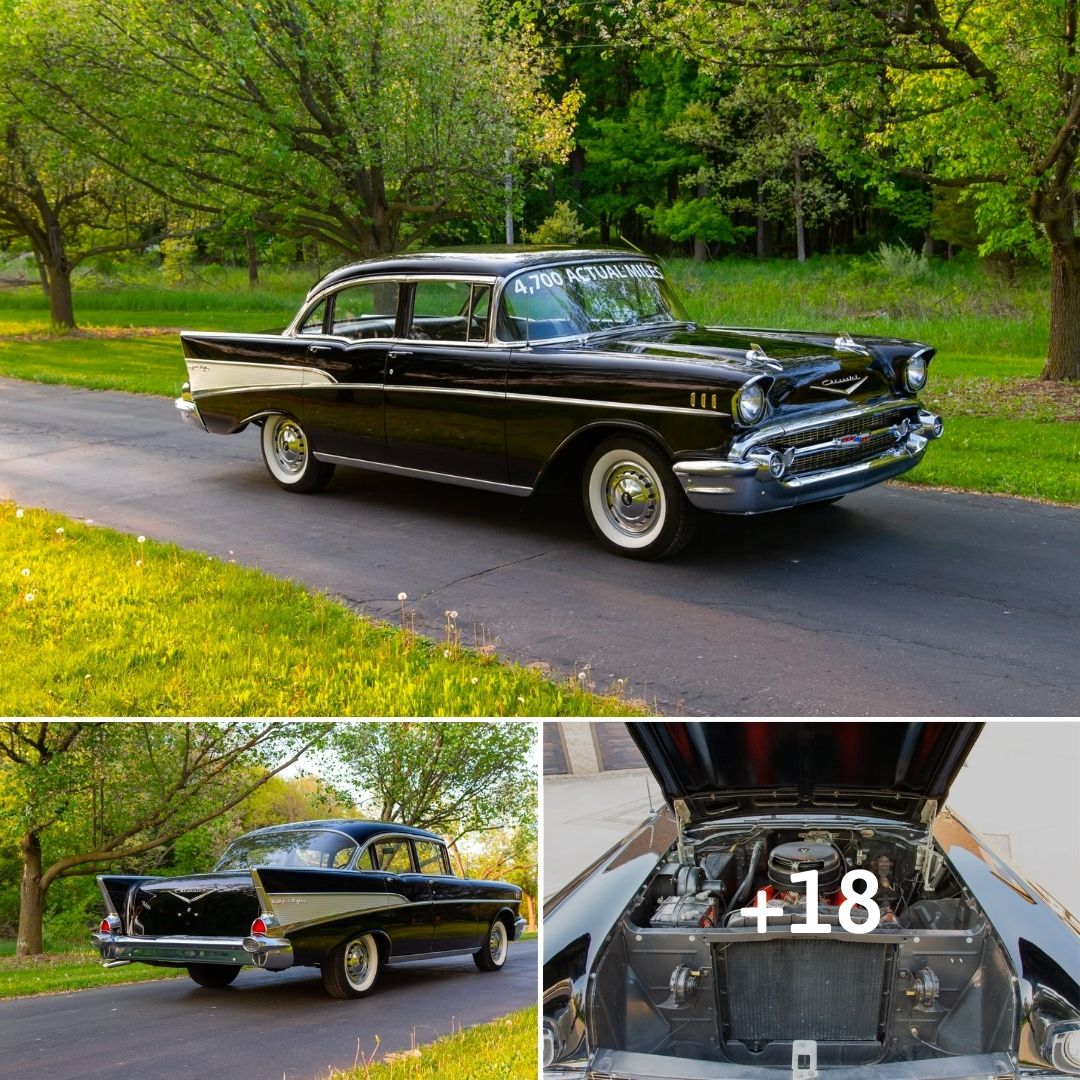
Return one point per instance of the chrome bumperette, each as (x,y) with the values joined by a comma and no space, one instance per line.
(519,928)
(189,411)
(784,464)
(274,954)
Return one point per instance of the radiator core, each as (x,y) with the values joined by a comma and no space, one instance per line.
(830,991)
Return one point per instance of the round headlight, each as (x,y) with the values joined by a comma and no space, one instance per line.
(915,372)
(750,404)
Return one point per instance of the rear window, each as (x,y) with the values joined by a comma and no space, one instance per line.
(318,848)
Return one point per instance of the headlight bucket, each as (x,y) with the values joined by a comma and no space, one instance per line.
(749,403)
(1061,1046)
(915,372)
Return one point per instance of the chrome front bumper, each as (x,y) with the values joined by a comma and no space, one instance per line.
(274,954)
(756,476)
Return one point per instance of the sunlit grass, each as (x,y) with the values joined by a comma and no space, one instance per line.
(98,623)
(504,1049)
(53,972)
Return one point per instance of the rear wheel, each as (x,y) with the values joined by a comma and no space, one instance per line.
(351,969)
(635,505)
(213,975)
(492,955)
(289,458)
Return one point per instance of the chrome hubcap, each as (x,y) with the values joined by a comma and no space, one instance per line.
(357,962)
(497,942)
(631,497)
(290,447)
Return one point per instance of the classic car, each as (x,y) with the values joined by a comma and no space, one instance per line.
(347,897)
(687,952)
(508,368)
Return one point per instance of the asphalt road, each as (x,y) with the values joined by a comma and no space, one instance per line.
(894,602)
(264,1027)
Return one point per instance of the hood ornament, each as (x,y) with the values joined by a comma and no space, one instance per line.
(758,354)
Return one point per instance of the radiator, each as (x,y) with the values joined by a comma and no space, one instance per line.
(830,991)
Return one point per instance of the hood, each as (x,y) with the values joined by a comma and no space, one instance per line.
(721,768)
(802,368)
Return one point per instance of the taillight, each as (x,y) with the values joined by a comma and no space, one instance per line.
(258,927)
(105,928)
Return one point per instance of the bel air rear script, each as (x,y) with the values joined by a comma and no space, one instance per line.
(511,368)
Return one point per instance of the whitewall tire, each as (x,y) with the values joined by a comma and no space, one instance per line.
(288,455)
(493,953)
(351,969)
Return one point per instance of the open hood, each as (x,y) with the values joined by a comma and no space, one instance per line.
(728,767)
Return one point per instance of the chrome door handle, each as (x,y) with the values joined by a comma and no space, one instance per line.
(395,354)
(319,348)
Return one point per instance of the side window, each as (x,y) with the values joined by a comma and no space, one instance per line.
(313,323)
(367,310)
(430,858)
(393,856)
(440,311)
(481,309)
(366,860)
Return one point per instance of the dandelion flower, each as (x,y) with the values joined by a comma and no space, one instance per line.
(29,597)
(87,676)
(26,571)
(140,539)
(446,653)
(521,700)
(475,680)
(620,681)
(138,562)
(403,596)
(60,531)
(453,614)
(18,513)
(582,675)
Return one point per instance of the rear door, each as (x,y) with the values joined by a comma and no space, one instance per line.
(445,385)
(348,336)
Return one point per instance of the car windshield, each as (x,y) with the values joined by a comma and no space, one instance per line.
(576,299)
(297,847)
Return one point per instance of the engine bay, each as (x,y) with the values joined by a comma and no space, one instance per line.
(687,973)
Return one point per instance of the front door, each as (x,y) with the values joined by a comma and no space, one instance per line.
(410,896)
(445,387)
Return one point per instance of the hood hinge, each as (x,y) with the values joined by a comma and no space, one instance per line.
(927,861)
(682,819)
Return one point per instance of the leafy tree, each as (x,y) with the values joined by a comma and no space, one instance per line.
(561,226)
(78,797)
(965,94)
(509,855)
(364,124)
(453,777)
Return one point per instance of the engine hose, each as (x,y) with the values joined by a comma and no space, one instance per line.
(747,882)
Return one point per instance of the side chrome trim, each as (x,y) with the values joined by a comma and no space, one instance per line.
(425,474)
(546,399)
(461,391)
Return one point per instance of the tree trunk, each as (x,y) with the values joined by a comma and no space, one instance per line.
(928,244)
(61,306)
(530,912)
(1063,349)
(800,223)
(701,248)
(252,259)
(29,942)
(761,237)
(43,273)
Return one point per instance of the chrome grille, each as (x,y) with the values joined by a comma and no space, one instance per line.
(854,425)
(837,456)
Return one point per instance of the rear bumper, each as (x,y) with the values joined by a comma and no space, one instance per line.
(743,483)
(274,954)
(189,411)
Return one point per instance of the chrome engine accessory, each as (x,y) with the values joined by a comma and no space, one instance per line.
(925,989)
(800,856)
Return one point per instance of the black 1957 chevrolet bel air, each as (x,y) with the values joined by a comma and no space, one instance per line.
(501,368)
(344,896)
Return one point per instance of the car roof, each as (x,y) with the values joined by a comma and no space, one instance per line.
(353,827)
(494,261)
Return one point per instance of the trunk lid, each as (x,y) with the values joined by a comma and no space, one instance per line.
(726,768)
(201,905)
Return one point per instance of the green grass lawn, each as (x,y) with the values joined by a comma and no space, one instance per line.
(504,1049)
(53,972)
(1005,433)
(97,624)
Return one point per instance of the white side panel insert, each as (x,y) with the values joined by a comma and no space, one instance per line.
(217,375)
(292,908)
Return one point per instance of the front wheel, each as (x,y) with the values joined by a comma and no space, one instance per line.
(213,975)
(635,505)
(351,969)
(492,954)
(287,453)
